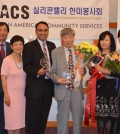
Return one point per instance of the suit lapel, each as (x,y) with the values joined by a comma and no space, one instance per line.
(49,50)
(63,57)
(8,48)
(38,48)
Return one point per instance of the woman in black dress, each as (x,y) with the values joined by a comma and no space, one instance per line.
(116,129)
(106,93)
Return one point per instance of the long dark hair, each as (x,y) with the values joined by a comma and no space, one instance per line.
(112,40)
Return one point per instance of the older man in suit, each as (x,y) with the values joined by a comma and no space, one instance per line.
(5,50)
(68,98)
(39,87)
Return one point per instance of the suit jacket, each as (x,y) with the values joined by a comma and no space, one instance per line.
(8,51)
(58,67)
(36,86)
(115,74)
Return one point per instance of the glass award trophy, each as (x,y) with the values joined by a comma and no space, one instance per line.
(67,75)
(44,63)
(96,60)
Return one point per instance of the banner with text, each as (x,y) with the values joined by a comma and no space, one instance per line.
(87,17)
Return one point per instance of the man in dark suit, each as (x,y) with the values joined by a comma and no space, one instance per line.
(4,30)
(39,88)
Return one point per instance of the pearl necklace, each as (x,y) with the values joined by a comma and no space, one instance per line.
(18,66)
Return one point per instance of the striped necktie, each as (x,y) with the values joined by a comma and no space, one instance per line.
(45,51)
(2,51)
(47,75)
(71,70)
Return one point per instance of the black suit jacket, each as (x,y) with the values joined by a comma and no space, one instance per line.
(115,74)
(36,86)
(8,51)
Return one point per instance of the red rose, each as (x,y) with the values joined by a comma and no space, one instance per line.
(77,52)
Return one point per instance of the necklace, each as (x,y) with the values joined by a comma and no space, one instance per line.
(18,66)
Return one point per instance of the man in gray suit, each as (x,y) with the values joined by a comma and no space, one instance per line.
(4,30)
(67,97)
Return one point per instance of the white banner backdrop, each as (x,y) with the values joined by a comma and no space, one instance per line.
(118,23)
(87,17)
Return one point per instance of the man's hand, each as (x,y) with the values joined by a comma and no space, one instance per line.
(63,81)
(42,71)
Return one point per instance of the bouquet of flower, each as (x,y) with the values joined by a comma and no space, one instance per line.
(112,62)
(86,51)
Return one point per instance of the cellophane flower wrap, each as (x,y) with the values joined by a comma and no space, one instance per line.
(112,62)
(86,51)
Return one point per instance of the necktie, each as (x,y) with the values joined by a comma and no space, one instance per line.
(2,51)
(47,76)
(45,51)
(71,70)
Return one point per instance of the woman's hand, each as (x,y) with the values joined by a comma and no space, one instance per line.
(7,100)
(102,69)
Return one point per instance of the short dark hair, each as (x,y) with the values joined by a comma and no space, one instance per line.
(41,22)
(16,38)
(118,33)
(112,40)
(4,23)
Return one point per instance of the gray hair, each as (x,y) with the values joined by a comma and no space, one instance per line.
(67,31)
